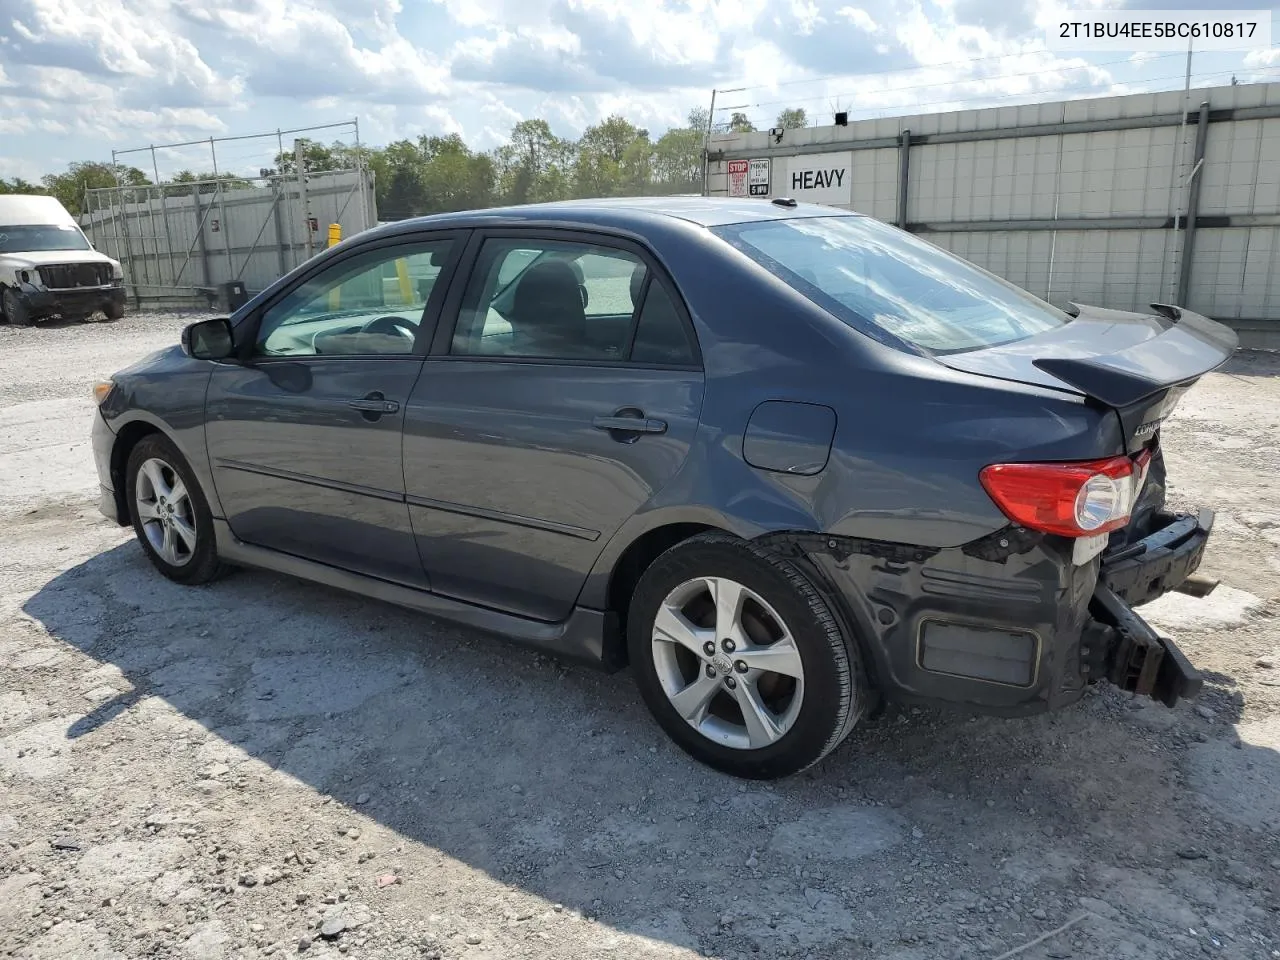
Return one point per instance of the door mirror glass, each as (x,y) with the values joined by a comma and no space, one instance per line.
(208,339)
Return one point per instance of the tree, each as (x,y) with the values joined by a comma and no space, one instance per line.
(792,118)
(209,182)
(316,158)
(614,158)
(677,156)
(18,185)
(431,175)
(741,123)
(453,176)
(535,165)
(69,187)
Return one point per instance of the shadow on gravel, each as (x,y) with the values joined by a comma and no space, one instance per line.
(1253,363)
(554,780)
(1223,695)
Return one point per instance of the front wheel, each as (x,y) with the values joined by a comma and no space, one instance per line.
(113,311)
(170,515)
(740,658)
(15,311)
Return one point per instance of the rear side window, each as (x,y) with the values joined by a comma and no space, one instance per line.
(661,336)
(884,281)
(567,300)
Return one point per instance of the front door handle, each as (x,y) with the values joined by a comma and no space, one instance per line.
(630,424)
(373,405)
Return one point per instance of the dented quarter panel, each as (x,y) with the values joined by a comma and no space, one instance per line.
(890,590)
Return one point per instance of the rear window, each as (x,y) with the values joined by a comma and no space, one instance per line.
(884,281)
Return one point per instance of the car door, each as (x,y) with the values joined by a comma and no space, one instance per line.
(566,393)
(304,434)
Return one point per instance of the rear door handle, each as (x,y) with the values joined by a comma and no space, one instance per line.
(374,406)
(630,424)
(374,403)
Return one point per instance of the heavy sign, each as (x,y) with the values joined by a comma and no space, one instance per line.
(738,177)
(758,178)
(820,178)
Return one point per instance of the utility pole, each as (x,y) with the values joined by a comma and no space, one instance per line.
(1178,151)
(706,147)
(299,161)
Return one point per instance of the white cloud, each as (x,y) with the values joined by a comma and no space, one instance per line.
(859,18)
(93,74)
(1262,58)
(307,52)
(21,167)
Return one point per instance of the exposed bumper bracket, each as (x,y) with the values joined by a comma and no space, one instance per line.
(1139,660)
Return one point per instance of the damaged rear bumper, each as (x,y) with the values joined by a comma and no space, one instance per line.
(1133,656)
(1011,624)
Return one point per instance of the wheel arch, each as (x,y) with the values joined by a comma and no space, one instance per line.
(637,557)
(127,437)
(630,552)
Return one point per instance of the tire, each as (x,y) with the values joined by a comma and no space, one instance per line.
(14,310)
(113,311)
(176,533)
(805,718)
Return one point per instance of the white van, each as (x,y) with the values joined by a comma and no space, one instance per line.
(48,268)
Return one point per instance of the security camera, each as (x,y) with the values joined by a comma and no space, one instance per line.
(777,133)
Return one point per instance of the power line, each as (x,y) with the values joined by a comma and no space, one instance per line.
(1029,37)
(915,69)
(1064,91)
(954,82)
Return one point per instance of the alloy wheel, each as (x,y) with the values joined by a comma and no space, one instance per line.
(728,663)
(166,512)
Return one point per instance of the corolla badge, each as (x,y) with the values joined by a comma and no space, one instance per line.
(1147,430)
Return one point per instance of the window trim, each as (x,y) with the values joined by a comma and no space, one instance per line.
(431,312)
(451,312)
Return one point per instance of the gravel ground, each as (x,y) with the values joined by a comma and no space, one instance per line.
(268,768)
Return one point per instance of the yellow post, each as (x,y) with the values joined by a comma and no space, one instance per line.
(335,295)
(406,288)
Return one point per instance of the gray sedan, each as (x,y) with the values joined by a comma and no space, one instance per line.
(787,463)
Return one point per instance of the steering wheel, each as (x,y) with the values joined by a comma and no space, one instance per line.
(392,324)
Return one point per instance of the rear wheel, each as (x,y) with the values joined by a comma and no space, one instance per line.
(15,311)
(170,515)
(740,659)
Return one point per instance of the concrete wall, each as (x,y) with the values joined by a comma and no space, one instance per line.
(1075,200)
(176,247)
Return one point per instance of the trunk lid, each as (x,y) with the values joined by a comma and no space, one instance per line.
(1138,364)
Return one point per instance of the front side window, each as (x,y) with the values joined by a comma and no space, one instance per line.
(369,304)
(39,237)
(561,300)
(881,280)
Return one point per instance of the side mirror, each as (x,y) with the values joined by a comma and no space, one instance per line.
(208,339)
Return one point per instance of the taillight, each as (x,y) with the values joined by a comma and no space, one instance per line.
(1069,499)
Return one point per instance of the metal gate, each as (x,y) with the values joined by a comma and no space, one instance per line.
(180,243)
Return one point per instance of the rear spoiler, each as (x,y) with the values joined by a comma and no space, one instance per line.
(1191,347)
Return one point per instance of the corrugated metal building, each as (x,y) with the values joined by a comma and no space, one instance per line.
(1118,202)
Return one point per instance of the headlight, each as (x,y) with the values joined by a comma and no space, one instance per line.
(116,272)
(24,276)
(102,389)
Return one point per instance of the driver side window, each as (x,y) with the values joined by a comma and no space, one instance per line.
(367,305)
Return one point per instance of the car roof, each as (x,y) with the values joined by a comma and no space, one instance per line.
(628,213)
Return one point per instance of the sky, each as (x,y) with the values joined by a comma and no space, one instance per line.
(80,78)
